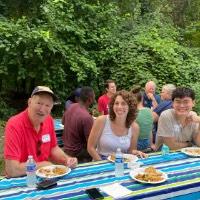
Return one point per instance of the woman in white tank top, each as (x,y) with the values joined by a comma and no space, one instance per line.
(116,130)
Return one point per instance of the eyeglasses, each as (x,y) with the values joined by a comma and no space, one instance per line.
(184,102)
(38,147)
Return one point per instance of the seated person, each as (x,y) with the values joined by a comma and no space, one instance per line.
(179,127)
(166,103)
(73,98)
(77,126)
(31,132)
(145,121)
(116,130)
(150,98)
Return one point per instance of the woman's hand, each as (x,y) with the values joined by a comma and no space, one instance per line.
(139,153)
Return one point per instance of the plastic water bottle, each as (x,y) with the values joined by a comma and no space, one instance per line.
(165,150)
(119,163)
(31,172)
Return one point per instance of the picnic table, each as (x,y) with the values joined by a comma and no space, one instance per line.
(183,181)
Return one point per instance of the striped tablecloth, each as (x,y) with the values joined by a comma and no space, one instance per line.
(183,181)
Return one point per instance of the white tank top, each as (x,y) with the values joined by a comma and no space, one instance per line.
(109,142)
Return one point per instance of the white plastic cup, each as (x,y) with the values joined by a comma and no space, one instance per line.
(133,165)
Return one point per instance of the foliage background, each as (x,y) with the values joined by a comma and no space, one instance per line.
(67,43)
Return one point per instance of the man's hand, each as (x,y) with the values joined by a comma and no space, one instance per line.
(192,117)
(150,96)
(71,162)
(154,102)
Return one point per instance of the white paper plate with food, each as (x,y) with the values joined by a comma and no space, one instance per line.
(191,151)
(148,175)
(127,158)
(53,171)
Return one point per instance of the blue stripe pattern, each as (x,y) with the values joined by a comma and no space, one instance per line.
(183,181)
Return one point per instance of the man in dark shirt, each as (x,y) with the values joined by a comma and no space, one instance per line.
(150,99)
(77,125)
(166,103)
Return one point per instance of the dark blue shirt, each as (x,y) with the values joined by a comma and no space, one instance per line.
(164,105)
(148,102)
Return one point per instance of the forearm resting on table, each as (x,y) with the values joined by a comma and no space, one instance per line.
(177,145)
(93,153)
(15,169)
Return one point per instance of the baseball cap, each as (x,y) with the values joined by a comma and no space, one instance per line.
(77,92)
(44,89)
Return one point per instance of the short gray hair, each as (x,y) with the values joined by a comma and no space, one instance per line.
(150,83)
(169,87)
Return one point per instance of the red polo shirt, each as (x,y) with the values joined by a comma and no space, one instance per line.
(103,102)
(22,140)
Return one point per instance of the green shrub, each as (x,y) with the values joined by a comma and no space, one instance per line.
(6,111)
(196,87)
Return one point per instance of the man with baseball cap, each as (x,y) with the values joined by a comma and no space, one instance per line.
(31,132)
(73,98)
(44,89)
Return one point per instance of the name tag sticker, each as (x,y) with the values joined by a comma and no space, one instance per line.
(46,138)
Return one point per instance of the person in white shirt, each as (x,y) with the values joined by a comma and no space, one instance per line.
(179,127)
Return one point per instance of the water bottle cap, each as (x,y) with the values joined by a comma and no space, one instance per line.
(30,156)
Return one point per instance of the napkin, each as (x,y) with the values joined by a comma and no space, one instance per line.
(115,190)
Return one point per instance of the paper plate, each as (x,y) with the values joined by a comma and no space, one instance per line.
(191,151)
(141,171)
(127,158)
(53,171)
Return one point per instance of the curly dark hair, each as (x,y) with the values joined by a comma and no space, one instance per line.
(181,92)
(132,104)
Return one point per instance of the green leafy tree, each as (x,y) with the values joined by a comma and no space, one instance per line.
(67,43)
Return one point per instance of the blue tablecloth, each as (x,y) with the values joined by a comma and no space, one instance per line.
(183,181)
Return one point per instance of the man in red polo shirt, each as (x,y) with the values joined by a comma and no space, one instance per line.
(31,132)
(104,100)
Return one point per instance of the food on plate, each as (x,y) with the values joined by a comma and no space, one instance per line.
(195,151)
(52,171)
(112,157)
(59,171)
(150,175)
(126,159)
